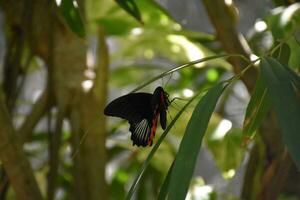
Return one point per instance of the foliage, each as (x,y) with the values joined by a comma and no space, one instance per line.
(150,42)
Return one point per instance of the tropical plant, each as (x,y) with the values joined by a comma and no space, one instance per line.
(62,57)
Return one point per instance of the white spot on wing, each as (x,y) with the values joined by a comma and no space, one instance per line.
(141,130)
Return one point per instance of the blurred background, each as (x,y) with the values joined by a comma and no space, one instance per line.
(62,61)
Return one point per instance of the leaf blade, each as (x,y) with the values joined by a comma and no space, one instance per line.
(189,147)
(70,11)
(154,149)
(286,104)
(257,108)
(131,8)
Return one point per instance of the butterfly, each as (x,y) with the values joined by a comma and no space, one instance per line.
(142,111)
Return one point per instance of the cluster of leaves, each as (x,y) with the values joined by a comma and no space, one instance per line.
(280,84)
(277,85)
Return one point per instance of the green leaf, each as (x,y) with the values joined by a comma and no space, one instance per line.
(131,8)
(164,188)
(294,77)
(257,108)
(294,61)
(125,75)
(285,98)
(154,149)
(70,11)
(283,22)
(189,64)
(116,25)
(283,53)
(227,151)
(186,157)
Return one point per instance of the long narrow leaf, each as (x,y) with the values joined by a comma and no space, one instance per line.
(165,186)
(71,13)
(131,8)
(189,147)
(257,108)
(294,77)
(154,149)
(182,67)
(286,103)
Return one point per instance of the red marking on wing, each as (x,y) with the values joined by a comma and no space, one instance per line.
(154,125)
(153,129)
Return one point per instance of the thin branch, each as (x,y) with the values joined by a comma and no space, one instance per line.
(38,110)
(232,41)
(14,159)
(54,146)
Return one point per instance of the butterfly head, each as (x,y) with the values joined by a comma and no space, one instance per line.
(160,99)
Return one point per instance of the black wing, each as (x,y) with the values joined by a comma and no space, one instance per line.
(133,107)
(136,108)
(163,119)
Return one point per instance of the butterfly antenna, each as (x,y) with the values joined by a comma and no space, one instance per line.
(169,79)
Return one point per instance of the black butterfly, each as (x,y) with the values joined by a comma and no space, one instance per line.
(142,111)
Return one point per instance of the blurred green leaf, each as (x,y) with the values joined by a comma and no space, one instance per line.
(131,8)
(186,157)
(290,18)
(282,54)
(228,151)
(154,149)
(189,64)
(164,188)
(285,98)
(117,22)
(294,61)
(284,21)
(196,35)
(125,75)
(154,15)
(257,108)
(283,24)
(71,13)
(116,25)
(295,78)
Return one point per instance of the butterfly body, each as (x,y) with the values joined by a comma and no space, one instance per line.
(142,111)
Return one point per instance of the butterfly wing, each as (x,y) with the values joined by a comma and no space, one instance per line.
(133,107)
(136,108)
(142,111)
(163,119)
(140,132)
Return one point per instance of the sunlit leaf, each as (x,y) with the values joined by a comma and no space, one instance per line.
(71,13)
(284,23)
(257,108)
(180,68)
(285,98)
(154,15)
(294,61)
(116,25)
(186,157)
(131,8)
(125,75)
